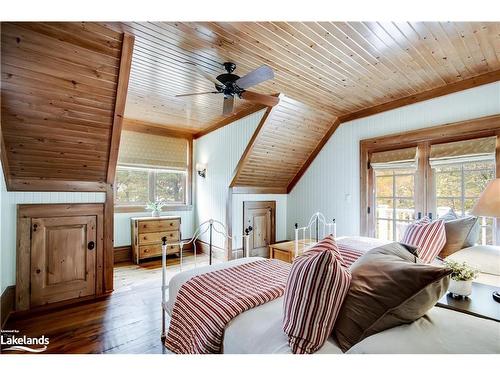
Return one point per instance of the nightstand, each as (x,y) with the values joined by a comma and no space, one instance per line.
(480,303)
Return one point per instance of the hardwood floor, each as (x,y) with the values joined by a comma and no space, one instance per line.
(126,322)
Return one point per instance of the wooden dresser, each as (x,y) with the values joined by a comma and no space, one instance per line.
(147,233)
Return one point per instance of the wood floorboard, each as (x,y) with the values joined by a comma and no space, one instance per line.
(126,322)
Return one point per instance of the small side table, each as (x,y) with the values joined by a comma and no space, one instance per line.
(480,303)
(285,251)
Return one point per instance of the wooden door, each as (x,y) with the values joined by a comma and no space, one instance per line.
(63,258)
(261,217)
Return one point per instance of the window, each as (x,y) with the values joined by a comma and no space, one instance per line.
(427,172)
(138,186)
(394,172)
(458,186)
(150,168)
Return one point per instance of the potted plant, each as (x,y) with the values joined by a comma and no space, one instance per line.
(156,207)
(461,278)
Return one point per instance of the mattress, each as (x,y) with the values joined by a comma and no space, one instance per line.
(259,330)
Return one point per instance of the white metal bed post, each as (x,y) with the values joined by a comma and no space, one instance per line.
(296,240)
(163,286)
(246,250)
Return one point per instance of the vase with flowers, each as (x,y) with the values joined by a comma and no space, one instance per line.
(156,207)
(461,278)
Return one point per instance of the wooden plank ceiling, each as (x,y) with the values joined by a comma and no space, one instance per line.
(59,83)
(339,67)
(329,72)
(287,136)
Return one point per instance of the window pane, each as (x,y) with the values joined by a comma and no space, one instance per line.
(131,186)
(405,209)
(171,187)
(384,186)
(384,208)
(446,204)
(383,229)
(448,184)
(405,186)
(476,181)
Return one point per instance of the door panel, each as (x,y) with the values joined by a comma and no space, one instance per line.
(63,258)
(261,217)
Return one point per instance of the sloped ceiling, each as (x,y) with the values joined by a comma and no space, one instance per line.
(330,71)
(286,137)
(338,68)
(59,84)
(59,87)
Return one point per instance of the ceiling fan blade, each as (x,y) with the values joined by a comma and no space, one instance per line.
(205,74)
(228,105)
(198,93)
(255,77)
(267,100)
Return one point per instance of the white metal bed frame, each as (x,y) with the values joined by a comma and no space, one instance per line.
(317,220)
(210,226)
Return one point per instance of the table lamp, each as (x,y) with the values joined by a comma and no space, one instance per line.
(488,205)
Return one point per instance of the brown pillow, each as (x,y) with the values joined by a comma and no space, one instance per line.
(457,233)
(389,287)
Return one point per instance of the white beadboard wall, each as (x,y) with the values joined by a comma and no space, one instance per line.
(10,200)
(220,151)
(331,183)
(122,229)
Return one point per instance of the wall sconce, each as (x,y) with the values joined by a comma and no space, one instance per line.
(201,169)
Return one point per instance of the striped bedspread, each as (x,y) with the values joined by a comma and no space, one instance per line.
(207,303)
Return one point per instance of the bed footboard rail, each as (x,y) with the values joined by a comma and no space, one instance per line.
(317,228)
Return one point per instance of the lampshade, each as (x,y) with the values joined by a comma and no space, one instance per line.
(488,203)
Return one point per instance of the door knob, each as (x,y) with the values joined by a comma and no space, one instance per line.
(91,245)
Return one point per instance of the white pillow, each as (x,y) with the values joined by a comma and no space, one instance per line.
(485,258)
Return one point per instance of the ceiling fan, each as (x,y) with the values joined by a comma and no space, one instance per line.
(232,85)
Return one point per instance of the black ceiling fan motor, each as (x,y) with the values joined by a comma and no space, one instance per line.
(228,79)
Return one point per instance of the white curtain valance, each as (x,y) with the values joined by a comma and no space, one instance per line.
(152,151)
(480,149)
(401,158)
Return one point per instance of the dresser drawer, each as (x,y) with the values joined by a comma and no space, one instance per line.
(147,251)
(153,238)
(148,226)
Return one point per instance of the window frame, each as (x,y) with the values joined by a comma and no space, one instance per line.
(424,180)
(186,206)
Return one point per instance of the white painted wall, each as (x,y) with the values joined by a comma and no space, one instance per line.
(334,174)
(281,223)
(10,200)
(122,229)
(220,151)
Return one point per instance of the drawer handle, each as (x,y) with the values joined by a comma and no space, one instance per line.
(91,245)
(171,224)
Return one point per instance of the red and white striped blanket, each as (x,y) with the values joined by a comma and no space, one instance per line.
(207,303)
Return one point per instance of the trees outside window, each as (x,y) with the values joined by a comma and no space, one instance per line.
(137,186)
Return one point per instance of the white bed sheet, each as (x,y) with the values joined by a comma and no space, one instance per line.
(259,330)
